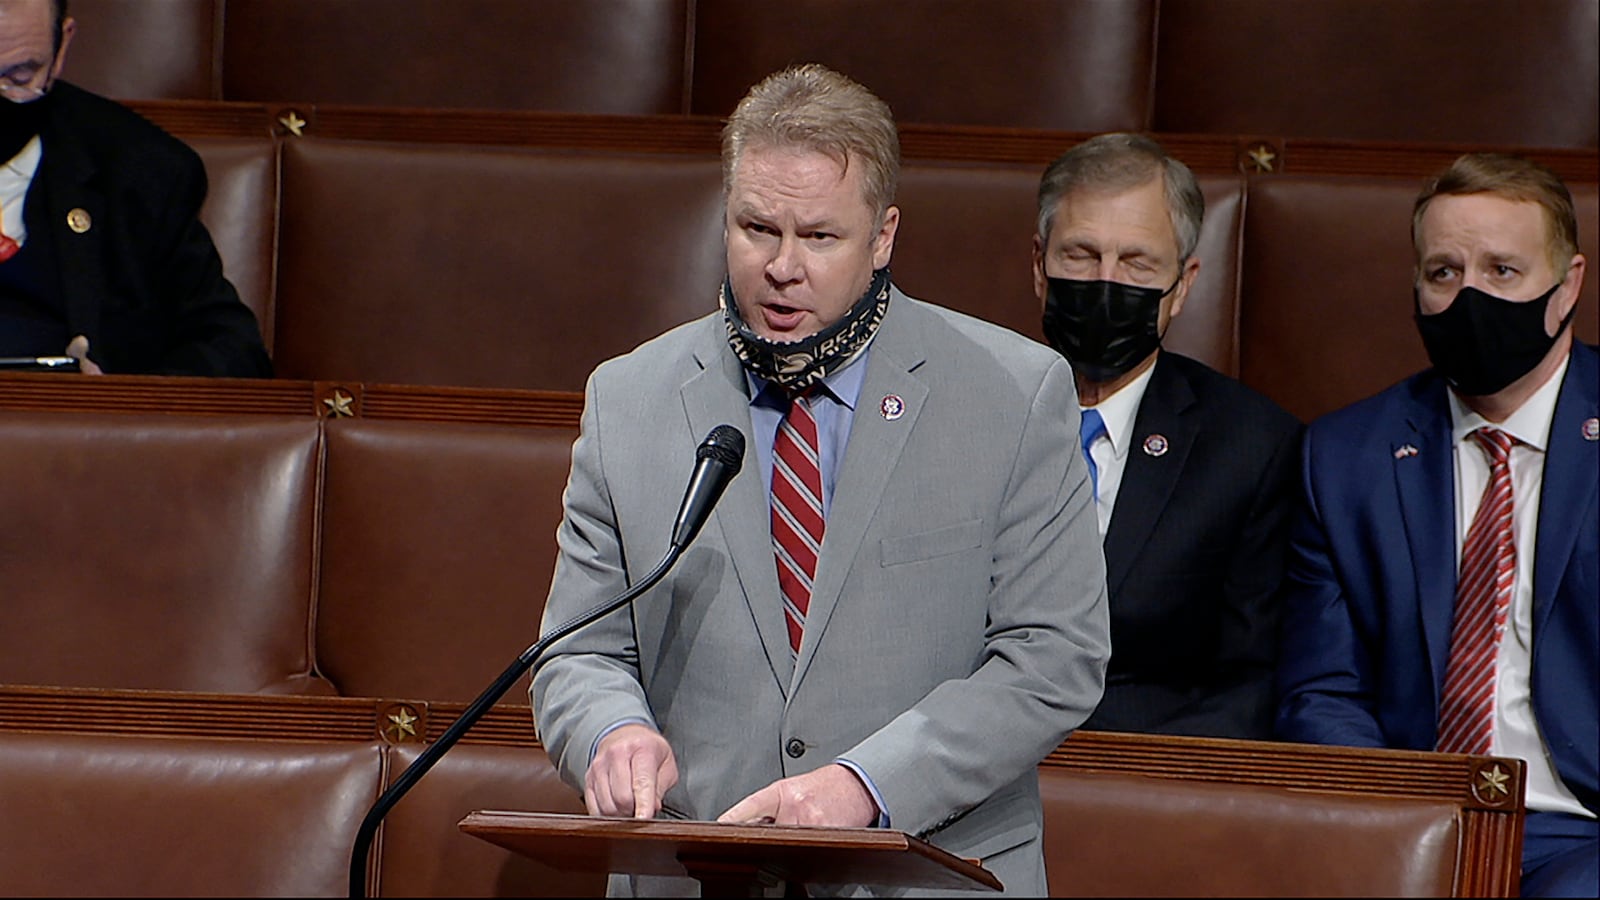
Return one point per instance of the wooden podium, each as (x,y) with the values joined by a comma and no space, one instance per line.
(729,860)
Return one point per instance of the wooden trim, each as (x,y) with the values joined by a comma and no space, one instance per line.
(1351,770)
(260,717)
(920,142)
(35,391)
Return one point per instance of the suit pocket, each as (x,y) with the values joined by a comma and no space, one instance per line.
(932,544)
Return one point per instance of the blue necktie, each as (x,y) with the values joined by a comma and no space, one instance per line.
(1092,428)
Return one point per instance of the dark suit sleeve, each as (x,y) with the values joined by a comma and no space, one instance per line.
(1326,684)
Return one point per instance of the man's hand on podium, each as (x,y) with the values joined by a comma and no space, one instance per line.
(632,767)
(831,795)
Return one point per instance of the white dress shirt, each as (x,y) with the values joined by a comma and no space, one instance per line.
(1516,731)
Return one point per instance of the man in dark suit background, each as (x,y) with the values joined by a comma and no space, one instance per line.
(1444,587)
(1193,470)
(103,255)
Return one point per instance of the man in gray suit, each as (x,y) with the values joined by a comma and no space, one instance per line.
(899,608)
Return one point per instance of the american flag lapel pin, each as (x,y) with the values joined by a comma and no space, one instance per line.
(1405,450)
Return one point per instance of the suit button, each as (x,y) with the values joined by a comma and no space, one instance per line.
(796,748)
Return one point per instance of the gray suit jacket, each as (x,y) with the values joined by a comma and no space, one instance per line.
(958,627)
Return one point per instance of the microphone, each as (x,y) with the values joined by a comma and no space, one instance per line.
(717,460)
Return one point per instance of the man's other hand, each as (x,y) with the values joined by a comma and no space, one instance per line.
(78,349)
(831,795)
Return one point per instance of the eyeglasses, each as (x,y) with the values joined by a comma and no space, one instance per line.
(37,85)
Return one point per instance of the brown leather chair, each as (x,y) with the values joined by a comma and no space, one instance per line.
(1454,71)
(179,794)
(1325,297)
(157,551)
(965,241)
(438,542)
(597,56)
(1142,815)
(1074,65)
(136,49)
(107,815)
(241,212)
(223,795)
(492,267)
(1119,835)
(426,855)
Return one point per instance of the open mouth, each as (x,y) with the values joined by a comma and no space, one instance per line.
(782,317)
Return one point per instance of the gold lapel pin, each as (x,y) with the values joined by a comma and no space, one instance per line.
(78,220)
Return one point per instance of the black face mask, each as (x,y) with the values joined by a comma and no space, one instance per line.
(1104,328)
(19,122)
(1481,343)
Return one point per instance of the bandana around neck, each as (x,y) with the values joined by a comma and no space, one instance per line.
(797,365)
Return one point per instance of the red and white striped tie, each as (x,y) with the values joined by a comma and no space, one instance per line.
(1483,601)
(796,513)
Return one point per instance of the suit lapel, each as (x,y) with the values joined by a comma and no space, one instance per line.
(1571,473)
(872,451)
(719,394)
(1424,475)
(1148,481)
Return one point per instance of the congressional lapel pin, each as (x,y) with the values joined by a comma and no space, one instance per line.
(1156,445)
(1404,451)
(1591,429)
(892,407)
(78,220)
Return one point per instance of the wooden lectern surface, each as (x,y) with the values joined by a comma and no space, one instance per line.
(681,848)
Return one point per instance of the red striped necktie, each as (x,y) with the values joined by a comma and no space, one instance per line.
(796,512)
(1483,602)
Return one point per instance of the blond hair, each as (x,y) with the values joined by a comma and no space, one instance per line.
(812,107)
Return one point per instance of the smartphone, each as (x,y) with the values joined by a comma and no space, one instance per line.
(40,363)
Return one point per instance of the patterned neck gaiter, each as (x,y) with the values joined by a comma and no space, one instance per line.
(797,365)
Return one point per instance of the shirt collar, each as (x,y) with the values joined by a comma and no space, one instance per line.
(843,385)
(1120,409)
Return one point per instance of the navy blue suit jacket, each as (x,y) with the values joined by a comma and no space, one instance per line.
(1373,577)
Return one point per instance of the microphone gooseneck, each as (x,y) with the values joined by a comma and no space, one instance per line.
(717,460)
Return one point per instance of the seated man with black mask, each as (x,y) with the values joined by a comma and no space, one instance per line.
(102,253)
(1445,565)
(1194,472)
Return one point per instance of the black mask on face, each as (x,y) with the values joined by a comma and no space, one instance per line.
(19,122)
(1104,328)
(1481,343)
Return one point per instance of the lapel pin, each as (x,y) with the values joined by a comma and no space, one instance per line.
(1405,451)
(78,220)
(1156,445)
(1591,429)
(892,407)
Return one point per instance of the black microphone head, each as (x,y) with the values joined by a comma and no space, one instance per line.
(725,444)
